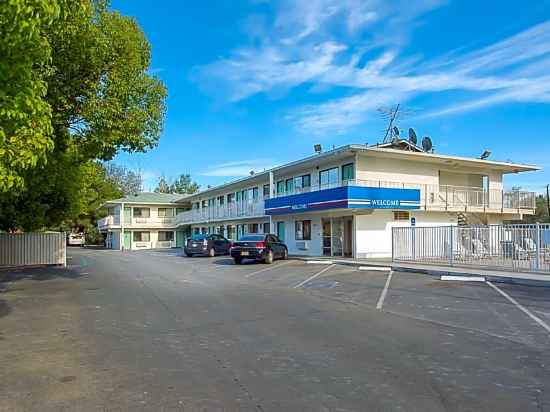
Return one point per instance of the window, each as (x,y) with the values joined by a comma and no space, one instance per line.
(302,230)
(166,236)
(328,178)
(301,182)
(196,231)
(239,196)
(255,193)
(165,212)
(230,197)
(204,204)
(141,236)
(266,190)
(253,228)
(348,172)
(266,227)
(141,212)
(196,205)
(280,186)
(221,200)
(211,202)
(289,185)
(180,210)
(401,215)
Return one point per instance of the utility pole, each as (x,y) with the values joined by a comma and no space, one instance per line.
(548,200)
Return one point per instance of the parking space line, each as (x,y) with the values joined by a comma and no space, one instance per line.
(267,268)
(520,307)
(299,285)
(384,292)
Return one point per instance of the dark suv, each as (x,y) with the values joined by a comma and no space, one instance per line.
(204,244)
(259,247)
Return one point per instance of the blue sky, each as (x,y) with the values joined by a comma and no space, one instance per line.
(256,83)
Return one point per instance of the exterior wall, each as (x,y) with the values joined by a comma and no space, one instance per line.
(393,170)
(314,245)
(373,233)
(460,179)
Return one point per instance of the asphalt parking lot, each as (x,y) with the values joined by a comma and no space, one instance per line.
(153,330)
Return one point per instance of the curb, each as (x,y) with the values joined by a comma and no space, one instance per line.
(438,272)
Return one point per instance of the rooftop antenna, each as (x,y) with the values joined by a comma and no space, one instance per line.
(317,148)
(427,144)
(392,114)
(412,137)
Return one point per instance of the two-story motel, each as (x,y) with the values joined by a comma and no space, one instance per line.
(343,202)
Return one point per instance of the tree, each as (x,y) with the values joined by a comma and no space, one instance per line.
(128,181)
(92,83)
(163,186)
(25,116)
(184,185)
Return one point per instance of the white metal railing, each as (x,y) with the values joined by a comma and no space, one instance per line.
(233,210)
(145,222)
(513,247)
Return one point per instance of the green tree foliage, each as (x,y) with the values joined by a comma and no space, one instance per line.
(541,212)
(163,186)
(25,62)
(182,185)
(93,87)
(130,182)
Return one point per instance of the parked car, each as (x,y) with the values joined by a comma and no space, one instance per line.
(264,248)
(204,244)
(75,239)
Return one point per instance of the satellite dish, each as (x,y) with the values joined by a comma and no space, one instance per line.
(427,144)
(412,136)
(396,131)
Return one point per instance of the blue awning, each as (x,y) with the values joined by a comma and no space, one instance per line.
(346,197)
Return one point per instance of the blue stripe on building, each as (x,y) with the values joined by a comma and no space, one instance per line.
(347,197)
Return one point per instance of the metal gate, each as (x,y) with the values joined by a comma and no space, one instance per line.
(509,247)
(25,249)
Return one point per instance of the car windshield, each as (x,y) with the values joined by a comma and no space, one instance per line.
(199,237)
(252,238)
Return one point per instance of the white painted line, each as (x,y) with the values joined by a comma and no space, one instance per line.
(319,262)
(384,292)
(275,266)
(375,268)
(464,278)
(299,285)
(520,307)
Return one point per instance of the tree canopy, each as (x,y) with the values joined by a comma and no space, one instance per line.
(74,88)
(183,184)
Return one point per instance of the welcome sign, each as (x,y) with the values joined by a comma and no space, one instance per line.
(347,197)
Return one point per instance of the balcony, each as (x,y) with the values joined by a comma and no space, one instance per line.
(136,222)
(229,211)
(444,197)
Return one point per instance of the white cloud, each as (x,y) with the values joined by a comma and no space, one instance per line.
(238,169)
(358,45)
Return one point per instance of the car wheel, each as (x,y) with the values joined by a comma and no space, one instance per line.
(269,257)
(212,252)
(188,254)
(238,261)
(285,254)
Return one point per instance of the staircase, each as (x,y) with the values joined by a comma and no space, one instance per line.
(469,219)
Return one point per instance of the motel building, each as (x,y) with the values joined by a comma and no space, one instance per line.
(342,202)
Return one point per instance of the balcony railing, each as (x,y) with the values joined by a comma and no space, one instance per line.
(445,197)
(228,211)
(145,222)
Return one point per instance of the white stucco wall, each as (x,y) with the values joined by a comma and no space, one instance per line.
(314,245)
(374,232)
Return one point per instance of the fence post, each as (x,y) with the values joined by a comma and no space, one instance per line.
(537,263)
(451,248)
(414,243)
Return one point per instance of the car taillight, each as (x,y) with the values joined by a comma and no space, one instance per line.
(260,245)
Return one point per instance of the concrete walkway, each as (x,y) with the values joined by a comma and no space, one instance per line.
(526,278)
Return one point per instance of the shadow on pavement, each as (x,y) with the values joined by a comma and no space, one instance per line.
(40,273)
(5,310)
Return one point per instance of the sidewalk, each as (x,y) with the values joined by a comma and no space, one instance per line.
(494,275)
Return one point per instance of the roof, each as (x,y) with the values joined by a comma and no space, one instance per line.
(148,197)
(383,150)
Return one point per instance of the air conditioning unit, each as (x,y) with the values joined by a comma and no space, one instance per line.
(302,245)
